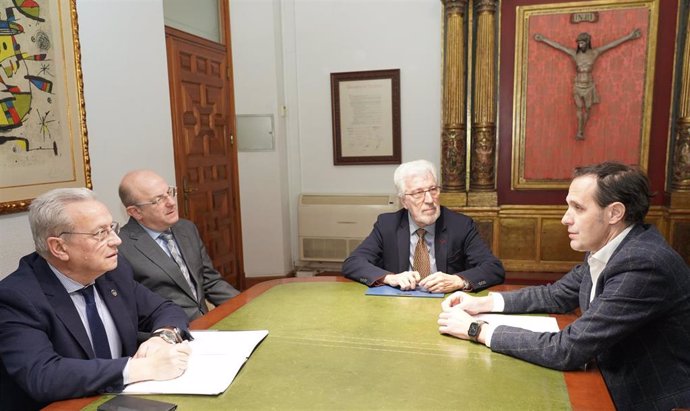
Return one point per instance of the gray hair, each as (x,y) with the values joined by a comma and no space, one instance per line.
(47,216)
(412,169)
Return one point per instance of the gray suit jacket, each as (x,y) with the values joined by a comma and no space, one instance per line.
(156,270)
(637,326)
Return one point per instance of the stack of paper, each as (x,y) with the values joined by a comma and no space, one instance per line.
(217,357)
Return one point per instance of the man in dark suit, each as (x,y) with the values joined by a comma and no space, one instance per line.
(166,252)
(71,313)
(632,290)
(423,244)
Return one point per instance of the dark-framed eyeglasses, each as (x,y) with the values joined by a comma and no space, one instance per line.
(100,235)
(171,193)
(420,194)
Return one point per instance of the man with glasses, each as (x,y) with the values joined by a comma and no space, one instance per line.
(423,244)
(166,252)
(71,314)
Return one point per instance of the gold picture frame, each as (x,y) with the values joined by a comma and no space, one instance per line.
(546,147)
(43,136)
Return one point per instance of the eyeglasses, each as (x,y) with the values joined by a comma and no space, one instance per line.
(171,193)
(100,235)
(421,194)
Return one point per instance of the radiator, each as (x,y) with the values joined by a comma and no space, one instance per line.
(332,225)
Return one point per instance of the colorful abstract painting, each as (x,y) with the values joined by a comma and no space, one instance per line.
(42,128)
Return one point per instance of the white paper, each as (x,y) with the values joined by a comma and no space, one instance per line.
(528,322)
(217,357)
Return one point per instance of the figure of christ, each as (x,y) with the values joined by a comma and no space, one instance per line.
(584,56)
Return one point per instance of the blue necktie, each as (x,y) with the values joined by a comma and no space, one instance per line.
(99,339)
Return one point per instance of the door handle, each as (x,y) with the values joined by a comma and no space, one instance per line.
(186,190)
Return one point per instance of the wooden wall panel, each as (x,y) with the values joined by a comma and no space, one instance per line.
(555,244)
(518,238)
(680,237)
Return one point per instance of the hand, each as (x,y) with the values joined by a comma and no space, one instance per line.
(439,282)
(636,34)
(407,280)
(164,363)
(538,37)
(149,346)
(463,301)
(455,322)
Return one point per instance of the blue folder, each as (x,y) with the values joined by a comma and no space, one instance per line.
(388,291)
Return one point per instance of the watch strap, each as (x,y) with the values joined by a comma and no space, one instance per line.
(171,336)
(475,329)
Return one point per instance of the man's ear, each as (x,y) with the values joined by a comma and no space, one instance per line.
(134,212)
(57,248)
(616,212)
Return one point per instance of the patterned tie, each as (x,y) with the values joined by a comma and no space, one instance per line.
(177,256)
(421,255)
(99,338)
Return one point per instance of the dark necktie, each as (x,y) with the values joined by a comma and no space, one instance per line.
(177,256)
(99,339)
(421,256)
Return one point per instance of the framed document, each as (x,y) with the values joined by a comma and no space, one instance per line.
(366,117)
(43,142)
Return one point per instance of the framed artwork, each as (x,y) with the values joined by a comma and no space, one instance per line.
(365,107)
(43,139)
(583,88)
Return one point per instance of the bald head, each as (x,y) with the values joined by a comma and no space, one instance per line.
(149,199)
(133,183)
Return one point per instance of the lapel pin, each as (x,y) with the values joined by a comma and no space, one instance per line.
(113,292)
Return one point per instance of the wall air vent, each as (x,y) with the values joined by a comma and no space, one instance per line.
(332,225)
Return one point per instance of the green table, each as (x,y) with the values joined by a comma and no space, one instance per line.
(331,347)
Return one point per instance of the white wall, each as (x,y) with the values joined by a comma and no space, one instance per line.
(283,54)
(354,35)
(127,105)
(258,84)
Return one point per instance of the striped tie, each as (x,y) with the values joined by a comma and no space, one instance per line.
(177,256)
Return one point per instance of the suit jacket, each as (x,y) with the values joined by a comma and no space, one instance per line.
(637,326)
(458,250)
(159,272)
(45,353)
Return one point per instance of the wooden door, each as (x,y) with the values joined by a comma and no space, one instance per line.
(203,115)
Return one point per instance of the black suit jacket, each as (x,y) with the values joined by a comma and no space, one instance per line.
(45,353)
(458,250)
(637,326)
(157,271)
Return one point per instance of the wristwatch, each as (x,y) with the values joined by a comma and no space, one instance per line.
(475,329)
(171,336)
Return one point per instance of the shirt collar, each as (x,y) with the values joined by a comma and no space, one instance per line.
(69,284)
(153,233)
(430,229)
(605,253)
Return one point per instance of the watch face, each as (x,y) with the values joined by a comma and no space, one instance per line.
(473,330)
